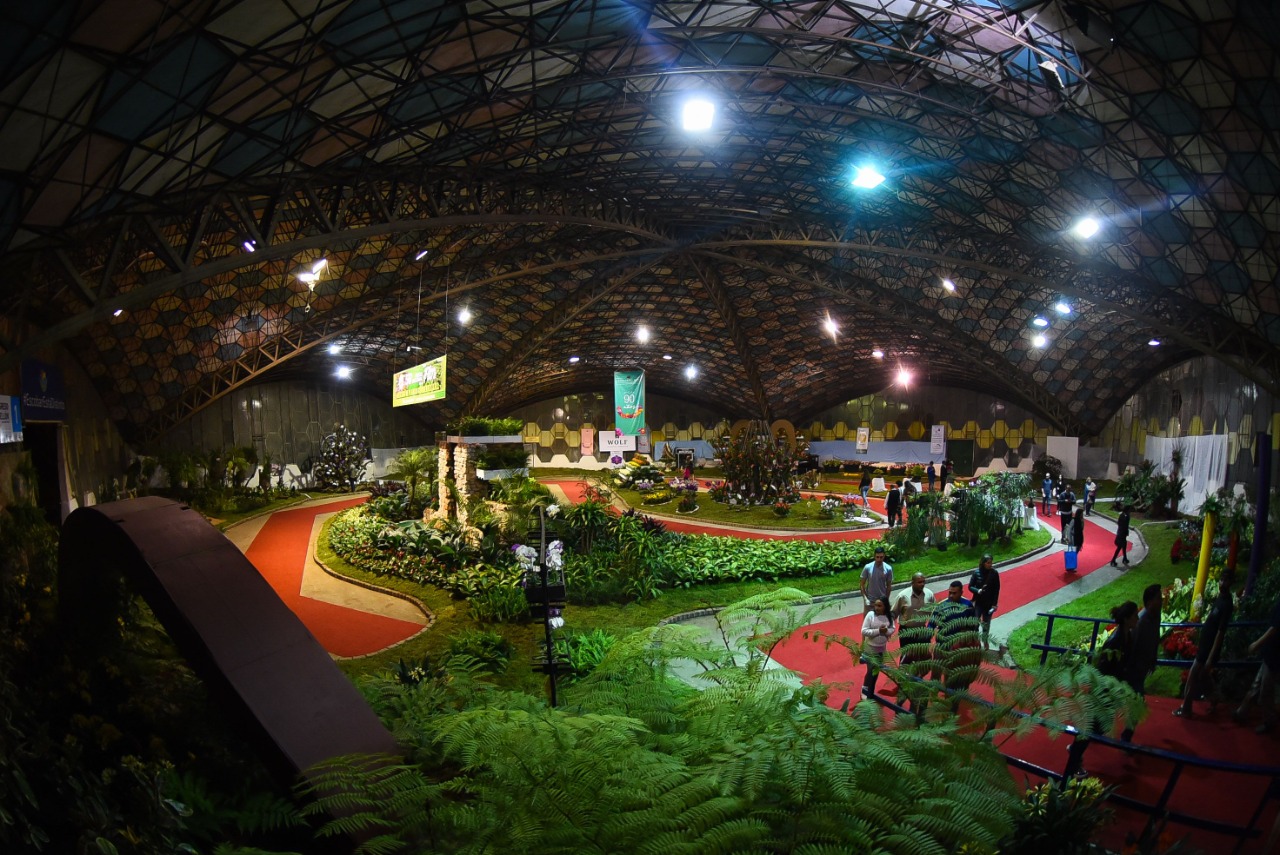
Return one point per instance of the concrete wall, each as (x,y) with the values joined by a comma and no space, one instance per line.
(288,420)
(1201,396)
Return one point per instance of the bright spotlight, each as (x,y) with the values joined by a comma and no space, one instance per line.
(878,354)
(249,246)
(421,255)
(642,333)
(1040,322)
(308,276)
(464,315)
(117,313)
(904,377)
(698,114)
(1062,308)
(667,357)
(949,285)
(831,327)
(691,372)
(1087,227)
(573,360)
(1155,342)
(1040,341)
(867,177)
(335,349)
(344,371)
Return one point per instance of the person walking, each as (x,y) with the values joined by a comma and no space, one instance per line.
(1212,631)
(893,505)
(1112,658)
(1066,503)
(912,608)
(984,586)
(1047,491)
(929,474)
(1090,495)
(877,626)
(953,617)
(1145,650)
(1077,530)
(1122,536)
(876,580)
(944,472)
(1263,690)
(864,487)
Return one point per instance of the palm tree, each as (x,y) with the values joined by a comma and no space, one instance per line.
(411,467)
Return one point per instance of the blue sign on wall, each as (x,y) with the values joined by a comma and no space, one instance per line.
(44,398)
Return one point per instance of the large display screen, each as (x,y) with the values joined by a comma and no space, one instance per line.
(419,384)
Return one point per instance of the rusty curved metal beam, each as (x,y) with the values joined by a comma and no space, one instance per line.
(259,660)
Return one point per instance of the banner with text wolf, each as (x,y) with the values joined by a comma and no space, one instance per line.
(628,401)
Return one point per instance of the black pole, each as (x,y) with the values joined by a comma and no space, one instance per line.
(546,606)
(1261,510)
(546,627)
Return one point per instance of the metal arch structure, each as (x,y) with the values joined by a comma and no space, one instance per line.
(535,140)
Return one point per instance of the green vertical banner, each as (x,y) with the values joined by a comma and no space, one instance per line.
(628,401)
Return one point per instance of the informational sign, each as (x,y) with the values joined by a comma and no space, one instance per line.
(938,440)
(613,442)
(628,401)
(642,442)
(588,446)
(10,420)
(864,440)
(419,384)
(44,398)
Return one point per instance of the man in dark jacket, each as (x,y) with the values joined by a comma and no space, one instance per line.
(893,504)
(1146,645)
(1066,501)
(984,585)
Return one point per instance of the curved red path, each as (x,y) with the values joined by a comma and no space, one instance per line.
(280,553)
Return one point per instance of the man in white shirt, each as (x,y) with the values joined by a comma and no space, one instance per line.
(877,579)
(912,607)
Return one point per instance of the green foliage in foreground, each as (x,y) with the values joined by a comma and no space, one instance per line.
(637,761)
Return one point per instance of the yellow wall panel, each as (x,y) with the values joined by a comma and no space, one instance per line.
(985,438)
(999,429)
(890,431)
(916,430)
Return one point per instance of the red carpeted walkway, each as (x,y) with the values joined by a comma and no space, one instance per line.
(280,552)
(1221,796)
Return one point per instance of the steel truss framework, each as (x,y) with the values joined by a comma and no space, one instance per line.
(485,239)
(532,150)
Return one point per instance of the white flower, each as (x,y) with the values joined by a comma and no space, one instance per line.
(526,555)
(555,554)
(552,510)
(556,622)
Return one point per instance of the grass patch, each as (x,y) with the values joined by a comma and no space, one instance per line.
(452,616)
(1155,568)
(803,516)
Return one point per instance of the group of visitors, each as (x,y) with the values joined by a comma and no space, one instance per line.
(934,635)
(1131,652)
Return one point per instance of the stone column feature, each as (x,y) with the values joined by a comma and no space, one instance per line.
(464,477)
(442,489)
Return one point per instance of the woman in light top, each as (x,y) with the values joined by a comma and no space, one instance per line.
(877,626)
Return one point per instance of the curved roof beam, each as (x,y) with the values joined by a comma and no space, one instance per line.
(720,298)
(1028,393)
(1209,333)
(347,318)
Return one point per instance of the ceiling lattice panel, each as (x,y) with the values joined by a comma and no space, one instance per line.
(534,151)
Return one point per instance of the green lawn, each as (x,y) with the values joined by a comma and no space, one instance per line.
(1155,568)
(803,515)
(453,617)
